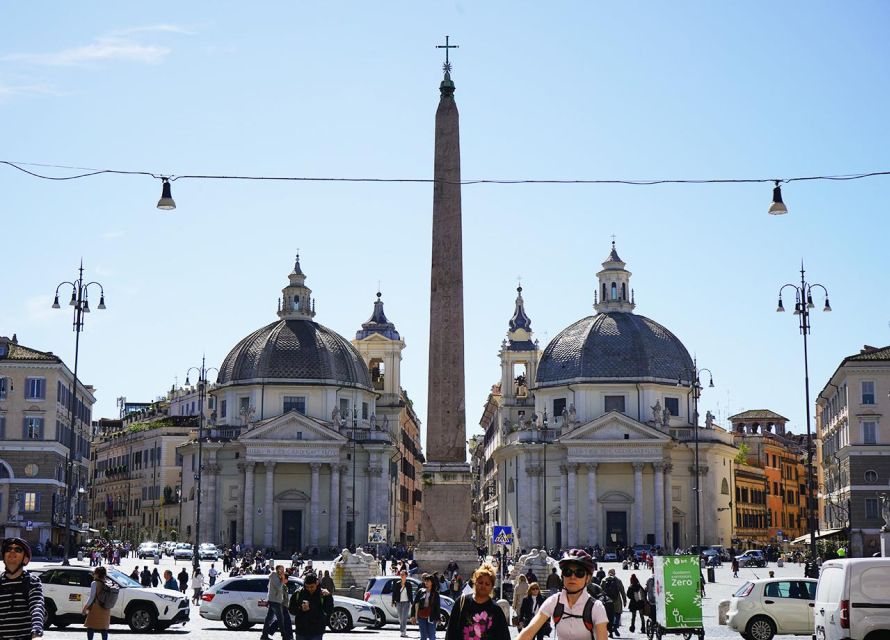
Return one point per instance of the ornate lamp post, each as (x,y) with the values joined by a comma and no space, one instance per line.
(202,385)
(695,388)
(81,304)
(803,303)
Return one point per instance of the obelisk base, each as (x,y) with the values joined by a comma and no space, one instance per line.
(445,525)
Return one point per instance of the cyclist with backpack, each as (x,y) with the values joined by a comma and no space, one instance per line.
(98,616)
(21,594)
(575,614)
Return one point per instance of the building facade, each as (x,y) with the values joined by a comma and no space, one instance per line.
(37,436)
(854,452)
(592,440)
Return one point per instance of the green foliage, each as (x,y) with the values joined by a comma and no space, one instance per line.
(742,456)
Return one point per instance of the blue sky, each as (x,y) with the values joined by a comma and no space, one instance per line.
(545,90)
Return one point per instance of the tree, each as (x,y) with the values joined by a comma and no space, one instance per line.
(742,456)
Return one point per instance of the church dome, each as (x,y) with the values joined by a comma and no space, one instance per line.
(614,346)
(295,350)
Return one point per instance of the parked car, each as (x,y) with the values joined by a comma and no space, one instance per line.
(148,550)
(168,547)
(144,609)
(183,551)
(207,551)
(610,556)
(379,594)
(752,558)
(722,553)
(853,599)
(762,608)
(240,603)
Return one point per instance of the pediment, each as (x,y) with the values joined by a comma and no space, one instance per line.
(292,495)
(612,427)
(293,427)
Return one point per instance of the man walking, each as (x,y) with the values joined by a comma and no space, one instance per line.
(614,588)
(402,597)
(21,594)
(311,606)
(554,583)
(276,601)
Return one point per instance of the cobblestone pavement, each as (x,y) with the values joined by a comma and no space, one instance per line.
(200,629)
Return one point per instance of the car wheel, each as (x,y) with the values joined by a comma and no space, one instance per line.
(443,622)
(142,618)
(235,618)
(340,621)
(380,618)
(760,628)
(50,614)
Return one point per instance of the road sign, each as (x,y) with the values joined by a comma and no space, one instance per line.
(29,525)
(502,535)
(376,533)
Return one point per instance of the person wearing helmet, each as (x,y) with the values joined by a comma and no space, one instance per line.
(576,616)
(21,594)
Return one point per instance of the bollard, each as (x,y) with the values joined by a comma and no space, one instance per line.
(711,577)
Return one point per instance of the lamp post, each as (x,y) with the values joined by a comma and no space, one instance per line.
(80,302)
(545,423)
(695,388)
(803,302)
(202,383)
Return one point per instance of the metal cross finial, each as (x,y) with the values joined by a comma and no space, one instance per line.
(446,46)
(613,239)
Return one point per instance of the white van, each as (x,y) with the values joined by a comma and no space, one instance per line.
(853,600)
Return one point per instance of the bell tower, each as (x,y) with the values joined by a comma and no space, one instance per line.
(614,292)
(296,301)
(381,346)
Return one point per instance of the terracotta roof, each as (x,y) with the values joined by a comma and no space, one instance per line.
(20,352)
(758,414)
(870,353)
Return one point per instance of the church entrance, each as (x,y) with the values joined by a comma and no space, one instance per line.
(291,531)
(616,528)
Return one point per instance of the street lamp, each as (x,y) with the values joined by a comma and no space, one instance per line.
(81,304)
(202,384)
(803,302)
(695,388)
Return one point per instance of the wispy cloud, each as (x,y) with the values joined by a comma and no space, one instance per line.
(112,235)
(117,46)
(8,91)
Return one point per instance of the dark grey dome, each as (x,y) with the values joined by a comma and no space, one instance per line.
(614,345)
(297,351)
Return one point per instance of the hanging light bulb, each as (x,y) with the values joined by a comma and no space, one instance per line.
(101,302)
(73,298)
(56,302)
(781,307)
(166,202)
(827,306)
(777,208)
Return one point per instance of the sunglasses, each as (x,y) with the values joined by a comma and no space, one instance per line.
(14,548)
(574,573)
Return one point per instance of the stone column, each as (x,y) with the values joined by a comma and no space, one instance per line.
(571,517)
(268,514)
(344,487)
(522,496)
(659,502)
(533,537)
(210,504)
(563,506)
(638,503)
(707,505)
(334,511)
(593,520)
(314,506)
(669,542)
(249,515)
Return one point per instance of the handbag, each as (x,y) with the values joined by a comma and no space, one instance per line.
(516,622)
(424,612)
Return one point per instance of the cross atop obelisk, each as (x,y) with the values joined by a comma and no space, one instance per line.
(447,66)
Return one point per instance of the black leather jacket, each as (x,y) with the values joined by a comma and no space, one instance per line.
(397,592)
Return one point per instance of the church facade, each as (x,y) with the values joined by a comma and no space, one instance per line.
(591,441)
(303,450)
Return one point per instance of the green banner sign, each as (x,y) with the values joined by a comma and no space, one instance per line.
(678,592)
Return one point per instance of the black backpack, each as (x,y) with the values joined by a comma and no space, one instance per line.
(610,587)
(586,615)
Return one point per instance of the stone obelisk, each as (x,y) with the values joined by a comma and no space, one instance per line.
(445,526)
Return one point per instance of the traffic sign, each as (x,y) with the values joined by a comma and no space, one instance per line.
(29,525)
(502,534)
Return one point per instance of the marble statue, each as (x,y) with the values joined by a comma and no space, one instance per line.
(573,417)
(709,420)
(666,417)
(657,414)
(353,569)
(335,417)
(885,511)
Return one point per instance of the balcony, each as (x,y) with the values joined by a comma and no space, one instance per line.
(532,436)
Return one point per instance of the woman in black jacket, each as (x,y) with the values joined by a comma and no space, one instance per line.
(529,607)
(426,607)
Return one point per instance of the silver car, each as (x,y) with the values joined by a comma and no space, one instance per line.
(240,603)
(379,593)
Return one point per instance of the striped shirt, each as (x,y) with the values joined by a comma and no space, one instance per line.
(21,614)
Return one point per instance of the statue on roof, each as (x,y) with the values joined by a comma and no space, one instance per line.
(885,511)
(657,414)
(709,420)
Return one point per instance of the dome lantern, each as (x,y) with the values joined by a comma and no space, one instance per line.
(614,290)
(296,301)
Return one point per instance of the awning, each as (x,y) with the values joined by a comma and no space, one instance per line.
(805,539)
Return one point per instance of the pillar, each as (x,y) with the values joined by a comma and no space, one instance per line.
(563,506)
(659,503)
(638,503)
(669,543)
(533,537)
(247,529)
(593,513)
(706,501)
(522,497)
(334,510)
(344,487)
(314,506)
(267,511)
(571,518)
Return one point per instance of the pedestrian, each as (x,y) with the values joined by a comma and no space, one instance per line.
(529,608)
(650,599)
(277,598)
(402,597)
(21,594)
(519,593)
(326,582)
(599,576)
(475,615)
(211,574)
(311,606)
(636,598)
(197,585)
(569,607)
(554,584)
(457,584)
(735,567)
(614,588)
(170,581)
(183,578)
(145,577)
(155,577)
(98,617)
(701,583)
(426,607)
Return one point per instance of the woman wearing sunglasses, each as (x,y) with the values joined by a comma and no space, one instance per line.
(569,604)
(529,608)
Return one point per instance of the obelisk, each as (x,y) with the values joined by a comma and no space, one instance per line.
(445,526)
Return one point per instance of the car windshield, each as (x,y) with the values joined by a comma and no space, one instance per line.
(123,579)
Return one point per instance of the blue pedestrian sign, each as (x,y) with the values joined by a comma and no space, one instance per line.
(502,535)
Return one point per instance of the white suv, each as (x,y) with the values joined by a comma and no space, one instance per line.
(148,550)
(144,609)
(853,599)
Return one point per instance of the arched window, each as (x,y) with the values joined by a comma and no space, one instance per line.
(614,291)
(604,292)
(510,486)
(724,487)
(623,291)
(296,303)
